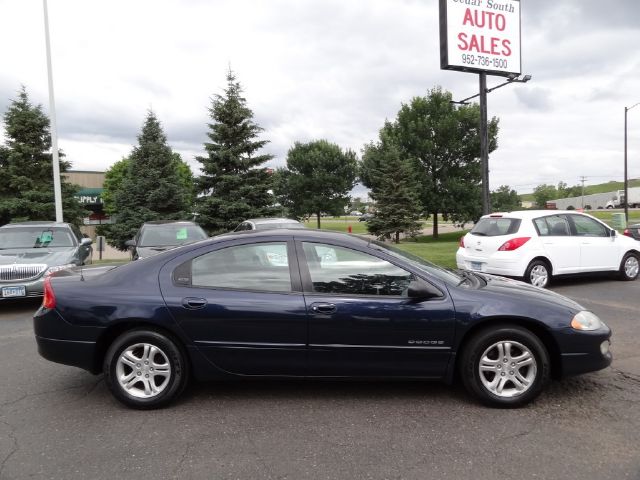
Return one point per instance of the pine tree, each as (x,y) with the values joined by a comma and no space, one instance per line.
(150,188)
(396,191)
(26,168)
(233,185)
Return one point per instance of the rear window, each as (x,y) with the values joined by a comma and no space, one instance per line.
(494,227)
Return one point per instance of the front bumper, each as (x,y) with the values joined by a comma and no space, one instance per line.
(34,288)
(582,352)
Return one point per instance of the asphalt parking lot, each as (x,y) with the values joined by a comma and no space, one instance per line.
(60,422)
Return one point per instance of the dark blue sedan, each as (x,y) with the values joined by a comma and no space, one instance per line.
(305,303)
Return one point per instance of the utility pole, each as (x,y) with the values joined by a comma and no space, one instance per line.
(582,179)
(57,190)
(484,145)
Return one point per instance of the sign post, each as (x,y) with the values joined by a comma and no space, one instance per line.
(481,36)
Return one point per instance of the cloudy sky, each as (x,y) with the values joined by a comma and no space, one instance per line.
(325,69)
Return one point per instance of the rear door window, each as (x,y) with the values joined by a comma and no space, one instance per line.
(496,226)
(553,226)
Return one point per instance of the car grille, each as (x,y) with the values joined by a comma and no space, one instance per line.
(12,273)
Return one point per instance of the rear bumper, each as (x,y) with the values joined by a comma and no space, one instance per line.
(69,352)
(61,342)
(508,267)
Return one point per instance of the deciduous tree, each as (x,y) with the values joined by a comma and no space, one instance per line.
(318,178)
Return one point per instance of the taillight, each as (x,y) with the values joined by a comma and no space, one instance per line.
(513,244)
(49,300)
(627,232)
(461,244)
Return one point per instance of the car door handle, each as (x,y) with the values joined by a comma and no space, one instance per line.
(193,303)
(323,308)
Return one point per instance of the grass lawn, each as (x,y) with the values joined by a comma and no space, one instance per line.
(607,215)
(441,252)
(338,224)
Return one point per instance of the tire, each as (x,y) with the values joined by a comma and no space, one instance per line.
(630,266)
(521,384)
(538,273)
(161,380)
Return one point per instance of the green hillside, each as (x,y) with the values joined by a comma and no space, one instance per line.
(599,188)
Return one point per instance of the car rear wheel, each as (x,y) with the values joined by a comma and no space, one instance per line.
(630,266)
(538,274)
(505,367)
(145,369)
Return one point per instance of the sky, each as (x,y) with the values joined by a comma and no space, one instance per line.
(329,69)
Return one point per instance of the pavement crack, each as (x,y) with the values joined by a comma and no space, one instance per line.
(14,448)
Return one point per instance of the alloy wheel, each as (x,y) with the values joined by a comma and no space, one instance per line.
(143,370)
(507,369)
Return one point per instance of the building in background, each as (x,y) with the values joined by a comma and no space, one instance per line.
(90,195)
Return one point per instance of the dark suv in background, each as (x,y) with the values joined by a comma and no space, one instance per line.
(31,250)
(161,235)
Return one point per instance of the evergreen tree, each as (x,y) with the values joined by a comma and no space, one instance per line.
(233,186)
(395,188)
(151,187)
(26,168)
(318,178)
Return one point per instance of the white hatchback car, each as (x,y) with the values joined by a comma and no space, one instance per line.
(538,244)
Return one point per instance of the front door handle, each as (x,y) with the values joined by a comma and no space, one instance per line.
(193,303)
(323,308)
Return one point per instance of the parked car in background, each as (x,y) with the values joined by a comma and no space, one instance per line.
(267,224)
(158,236)
(366,217)
(356,213)
(273,304)
(537,245)
(31,250)
(633,231)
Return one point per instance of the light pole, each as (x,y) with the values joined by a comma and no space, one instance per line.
(626,178)
(57,192)
(484,130)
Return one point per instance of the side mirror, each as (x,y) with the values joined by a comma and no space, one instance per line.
(130,243)
(85,242)
(612,233)
(422,290)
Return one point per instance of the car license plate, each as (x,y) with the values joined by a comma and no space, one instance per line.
(20,291)
(476,265)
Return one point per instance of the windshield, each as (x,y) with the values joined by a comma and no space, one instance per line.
(424,265)
(35,237)
(169,235)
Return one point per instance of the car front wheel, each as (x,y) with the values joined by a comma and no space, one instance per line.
(630,266)
(506,366)
(145,369)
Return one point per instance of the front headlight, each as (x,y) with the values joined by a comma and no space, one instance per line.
(586,321)
(57,268)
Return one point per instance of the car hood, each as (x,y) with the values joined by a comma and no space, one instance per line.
(47,256)
(514,288)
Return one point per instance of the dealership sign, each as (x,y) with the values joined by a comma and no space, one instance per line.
(480,36)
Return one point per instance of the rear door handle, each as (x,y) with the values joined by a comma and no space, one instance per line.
(323,308)
(193,303)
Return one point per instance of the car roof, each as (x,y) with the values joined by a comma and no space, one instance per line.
(168,222)
(528,214)
(299,233)
(272,220)
(36,223)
